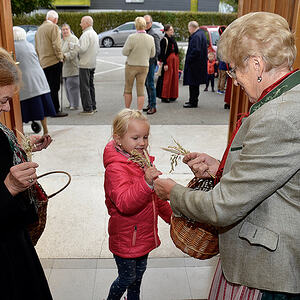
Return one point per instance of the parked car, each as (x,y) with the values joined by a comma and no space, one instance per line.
(30,32)
(118,35)
(212,36)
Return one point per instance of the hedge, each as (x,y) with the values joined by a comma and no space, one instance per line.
(107,20)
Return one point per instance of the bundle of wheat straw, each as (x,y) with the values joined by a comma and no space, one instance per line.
(26,145)
(140,159)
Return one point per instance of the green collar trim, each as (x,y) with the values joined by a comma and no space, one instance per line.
(287,84)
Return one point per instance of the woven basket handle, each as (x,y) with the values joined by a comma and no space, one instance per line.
(57,172)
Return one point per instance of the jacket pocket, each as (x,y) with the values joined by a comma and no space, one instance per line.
(257,235)
(134,236)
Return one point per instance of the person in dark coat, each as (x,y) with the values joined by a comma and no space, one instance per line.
(195,68)
(21,275)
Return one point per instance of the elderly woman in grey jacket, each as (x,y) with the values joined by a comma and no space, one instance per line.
(70,71)
(35,97)
(139,47)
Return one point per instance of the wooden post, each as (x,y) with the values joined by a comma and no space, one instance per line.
(11,119)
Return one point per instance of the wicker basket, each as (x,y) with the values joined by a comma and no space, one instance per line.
(36,229)
(193,238)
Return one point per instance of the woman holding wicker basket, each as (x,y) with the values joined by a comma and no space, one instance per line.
(255,202)
(21,275)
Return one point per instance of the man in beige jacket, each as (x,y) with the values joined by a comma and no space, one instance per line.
(48,49)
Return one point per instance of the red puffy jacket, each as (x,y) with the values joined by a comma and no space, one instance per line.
(132,205)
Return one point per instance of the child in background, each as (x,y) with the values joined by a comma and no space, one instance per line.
(212,71)
(131,202)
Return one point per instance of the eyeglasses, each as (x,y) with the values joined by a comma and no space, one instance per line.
(231,73)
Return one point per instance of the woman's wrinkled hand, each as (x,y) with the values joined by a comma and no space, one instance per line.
(40,142)
(166,68)
(151,174)
(21,177)
(163,188)
(201,164)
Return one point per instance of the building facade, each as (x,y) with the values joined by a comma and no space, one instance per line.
(143,5)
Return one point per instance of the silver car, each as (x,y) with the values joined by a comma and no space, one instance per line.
(118,35)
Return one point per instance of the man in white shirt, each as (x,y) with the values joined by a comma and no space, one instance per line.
(87,49)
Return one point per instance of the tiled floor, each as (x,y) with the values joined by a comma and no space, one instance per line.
(164,279)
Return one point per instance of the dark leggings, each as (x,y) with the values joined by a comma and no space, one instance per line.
(131,271)
(266,295)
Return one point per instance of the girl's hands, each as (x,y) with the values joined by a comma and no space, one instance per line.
(40,142)
(151,174)
(201,164)
(21,177)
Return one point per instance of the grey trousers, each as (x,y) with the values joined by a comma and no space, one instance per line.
(72,90)
(87,89)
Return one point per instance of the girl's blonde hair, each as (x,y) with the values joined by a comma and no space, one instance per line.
(258,34)
(121,121)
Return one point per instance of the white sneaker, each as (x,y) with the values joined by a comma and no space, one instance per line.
(86,113)
(72,108)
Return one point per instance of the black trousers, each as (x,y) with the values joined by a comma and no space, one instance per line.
(87,89)
(210,78)
(53,75)
(194,94)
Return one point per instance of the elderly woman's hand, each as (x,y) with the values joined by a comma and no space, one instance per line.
(163,188)
(21,177)
(201,164)
(40,142)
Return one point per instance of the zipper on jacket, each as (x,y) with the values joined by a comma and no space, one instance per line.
(134,236)
(155,218)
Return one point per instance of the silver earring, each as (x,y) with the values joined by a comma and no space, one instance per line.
(259,79)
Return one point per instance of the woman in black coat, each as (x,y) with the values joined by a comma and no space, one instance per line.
(167,83)
(21,274)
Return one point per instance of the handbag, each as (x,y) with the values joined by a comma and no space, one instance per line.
(36,229)
(196,239)
(160,66)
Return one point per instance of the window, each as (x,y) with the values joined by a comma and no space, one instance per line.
(134,1)
(126,27)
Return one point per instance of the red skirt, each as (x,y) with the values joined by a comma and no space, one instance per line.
(171,78)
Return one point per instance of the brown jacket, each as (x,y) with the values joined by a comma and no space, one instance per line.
(48,44)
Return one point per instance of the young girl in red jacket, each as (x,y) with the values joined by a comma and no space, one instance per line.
(131,202)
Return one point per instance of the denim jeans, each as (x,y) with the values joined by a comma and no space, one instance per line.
(131,271)
(151,90)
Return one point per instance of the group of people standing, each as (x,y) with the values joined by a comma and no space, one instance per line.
(53,59)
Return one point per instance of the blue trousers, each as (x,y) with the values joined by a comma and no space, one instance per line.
(130,271)
(151,90)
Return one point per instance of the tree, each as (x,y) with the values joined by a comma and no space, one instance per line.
(20,7)
(232,3)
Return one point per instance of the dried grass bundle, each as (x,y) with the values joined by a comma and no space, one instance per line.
(26,145)
(142,160)
(178,151)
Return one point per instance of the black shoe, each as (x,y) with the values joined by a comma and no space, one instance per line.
(60,115)
(188,102)
(226,106)
(205,90)
(165,100)
(189,105)
(172,99)
(146,108)
(213,90)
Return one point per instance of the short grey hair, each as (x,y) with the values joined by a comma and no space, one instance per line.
(193,24)
(19,33)
(51,14)
(88,20)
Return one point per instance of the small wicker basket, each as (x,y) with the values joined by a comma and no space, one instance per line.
(196,239)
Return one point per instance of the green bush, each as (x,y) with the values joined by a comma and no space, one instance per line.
(107,20)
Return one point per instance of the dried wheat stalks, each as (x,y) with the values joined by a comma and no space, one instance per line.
(178,151)
(26,145)
(140,159)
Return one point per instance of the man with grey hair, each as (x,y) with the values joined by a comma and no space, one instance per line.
(195,68)
(87,49)
(150,87)
(48,49)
